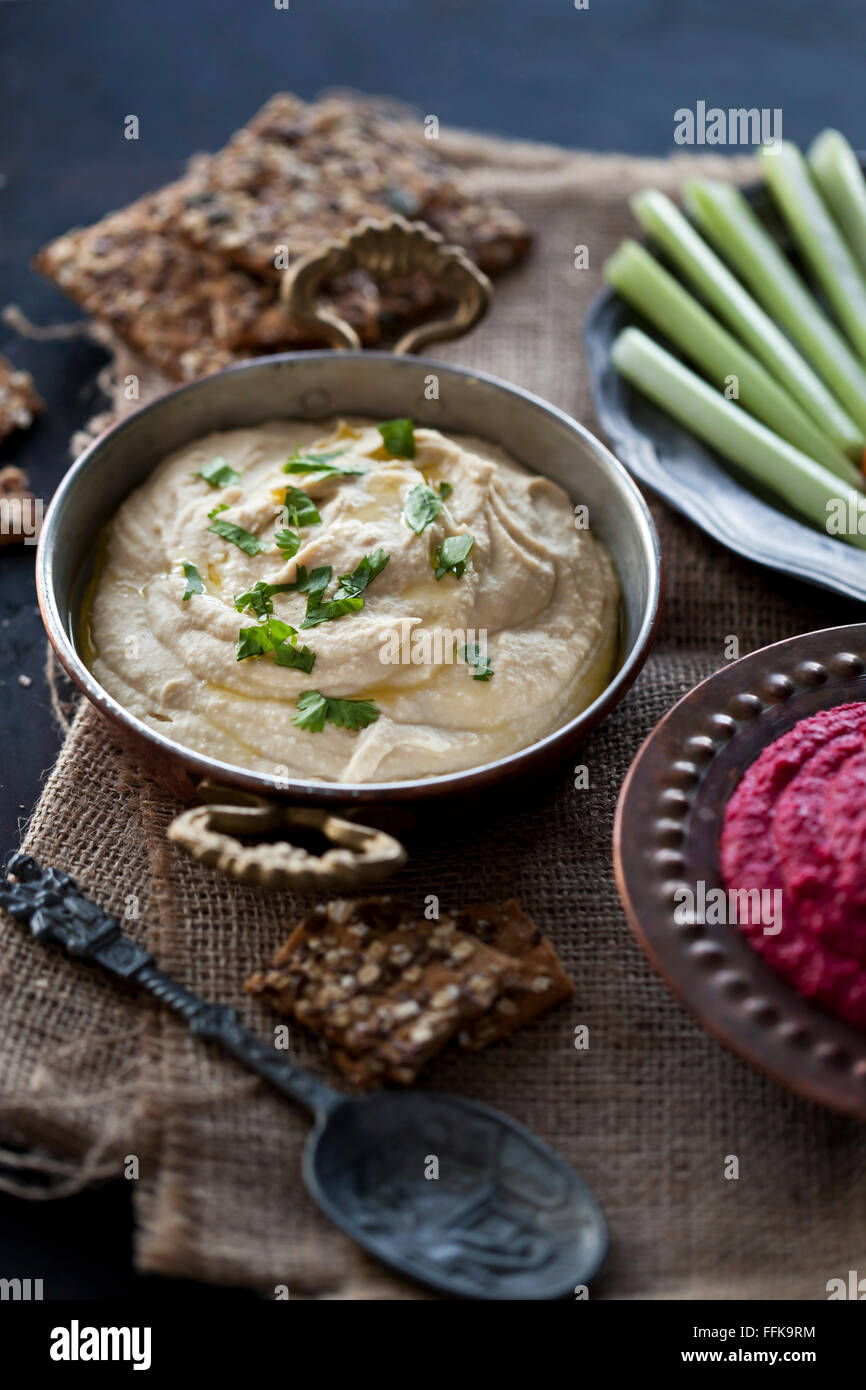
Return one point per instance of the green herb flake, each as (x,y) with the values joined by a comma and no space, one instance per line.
(300,508)
(452,555)
(471,654)
(194,583)
(217,473)
(244,540)
(321,463)
(215,511)
(348,596)
(399,437)
(351,585)
(325,612)
(257,600)
(421,507)
(316,709)
(288,543)
(273,636)
(445,490)
(299,658)
(264,637)
(314,583)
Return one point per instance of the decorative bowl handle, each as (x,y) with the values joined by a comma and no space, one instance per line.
(387,250)
(358,854)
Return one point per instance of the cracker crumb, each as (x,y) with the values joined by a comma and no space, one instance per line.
(19,399)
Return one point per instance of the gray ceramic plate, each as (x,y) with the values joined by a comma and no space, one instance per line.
(694,479)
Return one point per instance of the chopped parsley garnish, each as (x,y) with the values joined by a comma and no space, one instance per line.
(300,508)
(452,555)
(325,612)
(445,490)
(320,463)
(315,710)
(299,658)
(215,511)
(217,473)
(471,654)
(244,540)
(258,599)
(278,638)
(315,583)
(348,594)
(255,641)
(399,437)
(363,574)
(194,583)
(347,598)
(422,506)
(288,543)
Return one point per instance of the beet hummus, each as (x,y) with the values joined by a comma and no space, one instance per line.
(797,823)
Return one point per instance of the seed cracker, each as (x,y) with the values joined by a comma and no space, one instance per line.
(300,173)
(188,276)
(535,982)
(385,991)
(186,311)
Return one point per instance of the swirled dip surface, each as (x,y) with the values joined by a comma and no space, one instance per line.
(543,590)
(796,825)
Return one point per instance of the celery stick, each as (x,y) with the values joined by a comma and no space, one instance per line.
(662,299)
(818,238)
(837,172)
(769,460)
(736,307)
(724,215)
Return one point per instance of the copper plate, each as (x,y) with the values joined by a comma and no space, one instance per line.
(666,834)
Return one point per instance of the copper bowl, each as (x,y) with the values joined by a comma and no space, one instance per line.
(317,385)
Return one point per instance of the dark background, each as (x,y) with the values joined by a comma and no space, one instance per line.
(606,78)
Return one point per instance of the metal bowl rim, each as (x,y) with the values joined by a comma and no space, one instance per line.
(446,783)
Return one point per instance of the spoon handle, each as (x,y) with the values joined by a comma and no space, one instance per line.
(50,903)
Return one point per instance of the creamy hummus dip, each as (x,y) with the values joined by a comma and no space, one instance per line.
(796,828)
(412,675)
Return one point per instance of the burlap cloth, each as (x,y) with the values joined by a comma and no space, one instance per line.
(647,1114)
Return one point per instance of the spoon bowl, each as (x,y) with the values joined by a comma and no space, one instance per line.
(456,1195)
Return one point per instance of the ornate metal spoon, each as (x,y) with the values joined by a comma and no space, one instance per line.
(443,1189)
